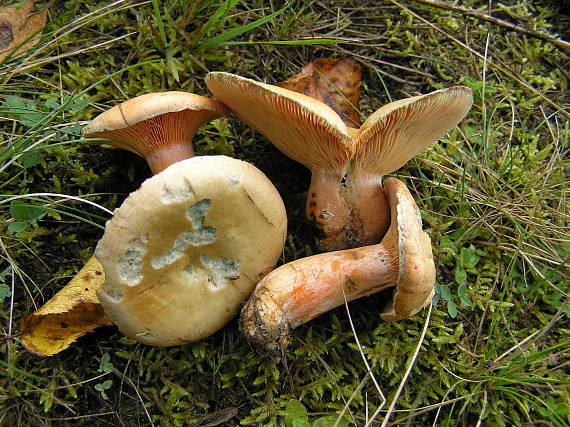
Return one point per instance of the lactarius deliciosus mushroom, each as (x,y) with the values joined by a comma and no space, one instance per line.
(345,199)
(184,251)
(157,126)
(305,288)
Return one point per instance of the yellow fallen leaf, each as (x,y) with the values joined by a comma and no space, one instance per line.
(71,313)
(20,28)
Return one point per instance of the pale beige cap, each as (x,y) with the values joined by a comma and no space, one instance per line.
(184,251)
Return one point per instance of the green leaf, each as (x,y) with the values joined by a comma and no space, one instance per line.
(28,114)
(452,309)
(445,292)
(465,301)
(172,65)
(105,365)
(469,257)
(31,158)
(4,292)
(106,385)
(301,423)
(330,421)
(462,290)
(52,104)
(15,104)
(460,275)
(295,411)
(16,227)
(79,104)
(446,243)
(74,130)
(24,212)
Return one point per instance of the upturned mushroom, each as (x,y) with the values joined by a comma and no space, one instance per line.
(184,251)
(157,126)
(305,288)
(345,200)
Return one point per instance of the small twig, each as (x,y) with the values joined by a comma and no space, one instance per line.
(559,43)
(10,337)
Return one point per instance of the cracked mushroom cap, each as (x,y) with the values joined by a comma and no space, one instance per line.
(416,271)
(184,251)
(157,126)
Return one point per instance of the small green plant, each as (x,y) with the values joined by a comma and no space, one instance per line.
(24,215)
(105,366)
(4,288)
(296,416)
(102,387)
(467,260)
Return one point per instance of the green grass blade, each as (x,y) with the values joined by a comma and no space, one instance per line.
(219,17)
(220,39)
(12,368)
(306,42)
(160,24)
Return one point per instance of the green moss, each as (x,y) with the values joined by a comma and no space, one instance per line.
(494,187)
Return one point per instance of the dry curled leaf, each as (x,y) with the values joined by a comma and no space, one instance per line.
(20,28)
(71,313)
(336,82)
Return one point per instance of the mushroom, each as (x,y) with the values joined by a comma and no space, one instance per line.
(345,200)
(184,251)
(156,126)
(305,288)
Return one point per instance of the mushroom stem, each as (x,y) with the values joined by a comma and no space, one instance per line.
(305,288)
(326,208)
(347,210)
(160,159)
(370,206)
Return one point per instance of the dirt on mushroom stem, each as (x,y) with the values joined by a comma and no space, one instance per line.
(347,210)
(301,290)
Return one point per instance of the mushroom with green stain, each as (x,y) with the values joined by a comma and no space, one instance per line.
(185,251)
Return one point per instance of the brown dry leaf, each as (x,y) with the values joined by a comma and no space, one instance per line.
(20,28)
(336,82)
(71,313)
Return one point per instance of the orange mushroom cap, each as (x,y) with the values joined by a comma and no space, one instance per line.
(157,126)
